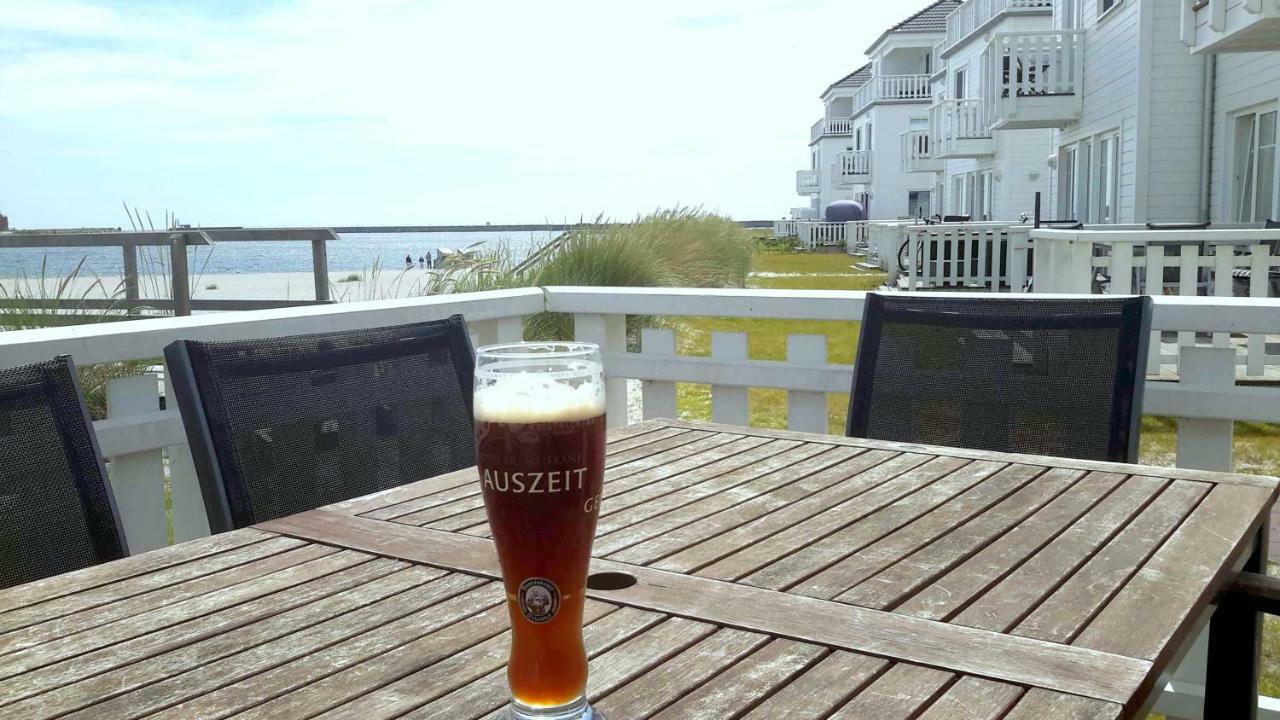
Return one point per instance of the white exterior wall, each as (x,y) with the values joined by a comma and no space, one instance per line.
(1112,87)
(1173,122)
(1242,81)
(828,148)
(889,184)
(1022,170)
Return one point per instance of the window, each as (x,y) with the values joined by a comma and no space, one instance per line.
(869,136)
(1084,165)
(960,85)
(1067,183)
(857,139)
(1254,167)
(918,203)
(956,201)
(1108,181)
(1106,5)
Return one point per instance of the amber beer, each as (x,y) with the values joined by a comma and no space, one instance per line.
(539,418)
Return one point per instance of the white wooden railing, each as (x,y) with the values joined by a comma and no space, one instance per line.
(804,213)
(1029,67)
(956,126)
(891,88)
(807,182)
(975,14)
(821,234)
(915,152)
(784,228)
(992,256)
(827,127)
(141,441)
(1186,263)
(852,166)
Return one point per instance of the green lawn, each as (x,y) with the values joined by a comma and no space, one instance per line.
(1257,445)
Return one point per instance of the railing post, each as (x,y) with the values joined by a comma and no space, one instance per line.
(180,282)
(610,333)
(729,403)
(130,271)
(659,398)
(320,269)
(137,479)
(807,411)
(1205,444)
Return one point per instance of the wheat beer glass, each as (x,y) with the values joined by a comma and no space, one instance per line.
(539,416)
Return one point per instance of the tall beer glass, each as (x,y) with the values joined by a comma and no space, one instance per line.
(539,416)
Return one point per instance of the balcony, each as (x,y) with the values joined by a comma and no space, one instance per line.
(851,167)
(916,153)
(960,129)
(975,15)
(1033,79)
(804,213)
(807,182)
(891,88)
(830,127)
(1231,25)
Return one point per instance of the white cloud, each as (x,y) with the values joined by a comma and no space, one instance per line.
(331,111)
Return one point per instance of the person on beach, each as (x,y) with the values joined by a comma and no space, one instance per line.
(430,263)
(408,261)
(421,262)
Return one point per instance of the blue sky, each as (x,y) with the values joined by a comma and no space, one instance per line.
(316,112)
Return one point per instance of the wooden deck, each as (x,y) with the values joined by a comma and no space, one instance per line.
(779,575)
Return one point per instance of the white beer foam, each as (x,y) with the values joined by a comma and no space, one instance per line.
(530,398)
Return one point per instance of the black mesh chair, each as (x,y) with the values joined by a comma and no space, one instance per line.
(282,425)
(57,513)
(1044,376)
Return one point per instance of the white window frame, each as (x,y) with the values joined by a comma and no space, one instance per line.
(1107,178)
(1256,145)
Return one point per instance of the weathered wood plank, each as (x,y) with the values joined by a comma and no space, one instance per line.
(418,688)
(972,577)
(491,692)
(454,597)
(1158,603)
(303,583)
(974,699)
(739,688)
(1061,615)
(907,539)
(889,587)
(951,647)
(653,435)
(1262,481)
(717,535)
(627,493)
(159,682)
(71,614)
(804,562)
(821,689)
(119,570)
(662,515)
(900,693)
(1040,704)
(1009,600)
(669,680)
(757,552)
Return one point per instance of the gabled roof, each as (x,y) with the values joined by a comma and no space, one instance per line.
(932,19)
(855,79)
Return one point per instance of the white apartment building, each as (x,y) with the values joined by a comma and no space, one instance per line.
(855,151)
(1116,111)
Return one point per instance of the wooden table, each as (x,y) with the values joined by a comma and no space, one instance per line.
(779,575)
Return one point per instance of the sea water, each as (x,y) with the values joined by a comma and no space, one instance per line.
(352,252)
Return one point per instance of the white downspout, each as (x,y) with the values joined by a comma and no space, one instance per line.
(1206,135)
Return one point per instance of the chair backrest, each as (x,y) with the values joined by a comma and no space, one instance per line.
(282,425)
(57,513)
(1045,376)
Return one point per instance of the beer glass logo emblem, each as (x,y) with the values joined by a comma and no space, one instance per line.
(539,599)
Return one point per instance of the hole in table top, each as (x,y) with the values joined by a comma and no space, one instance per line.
(610,581)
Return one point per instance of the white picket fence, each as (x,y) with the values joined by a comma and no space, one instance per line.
(821,234)
(142,442)
(1187,263)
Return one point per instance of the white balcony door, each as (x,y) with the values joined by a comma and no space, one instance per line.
(1254,164)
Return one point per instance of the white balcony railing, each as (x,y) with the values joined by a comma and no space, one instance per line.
(1033,79)
(960,128)
(830,127)
(804,213)
(891,88)
(851,167)
(973,15)
(807,182)
(1231,25)
(917,155)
